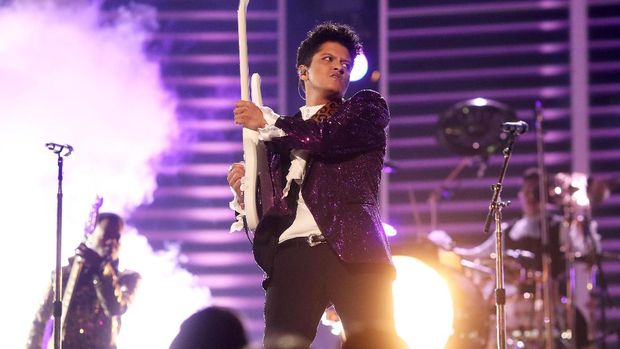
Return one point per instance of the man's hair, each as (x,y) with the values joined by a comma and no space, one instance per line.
(115,225)
(324,32)
(532,174)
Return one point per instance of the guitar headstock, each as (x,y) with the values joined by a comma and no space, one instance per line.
(243,5)
(89,227)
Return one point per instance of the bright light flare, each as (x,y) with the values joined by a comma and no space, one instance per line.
(580,184)
(389,229)
(480,102)
(423,306)
(360,67)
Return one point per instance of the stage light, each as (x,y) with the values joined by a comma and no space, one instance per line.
(423,306)
(360,67)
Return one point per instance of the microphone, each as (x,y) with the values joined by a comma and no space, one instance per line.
(517,127)
(58,148)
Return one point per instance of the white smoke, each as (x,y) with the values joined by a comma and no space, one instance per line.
(66,78)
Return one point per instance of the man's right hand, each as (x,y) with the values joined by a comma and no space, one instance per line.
(91,257)
(235,174)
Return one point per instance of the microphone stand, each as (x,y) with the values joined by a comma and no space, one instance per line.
(547,280)
(495,211)
(57,311)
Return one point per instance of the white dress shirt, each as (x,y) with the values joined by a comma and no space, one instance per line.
(304,223)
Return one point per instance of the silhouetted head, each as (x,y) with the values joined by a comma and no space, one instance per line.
(211,328)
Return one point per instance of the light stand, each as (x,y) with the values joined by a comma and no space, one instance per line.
(61,151)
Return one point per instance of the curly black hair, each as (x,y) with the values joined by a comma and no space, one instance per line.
(328,31)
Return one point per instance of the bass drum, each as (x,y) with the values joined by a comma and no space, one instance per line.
(436,307)
(472,321)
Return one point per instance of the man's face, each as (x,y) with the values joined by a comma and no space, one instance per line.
(106,238)
(329,71)
(529,196)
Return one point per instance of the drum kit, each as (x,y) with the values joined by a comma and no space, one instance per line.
(472,128)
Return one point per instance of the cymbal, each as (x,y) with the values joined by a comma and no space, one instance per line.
(473,127)
(581,189)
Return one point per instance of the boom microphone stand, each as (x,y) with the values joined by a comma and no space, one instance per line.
(61,151)
(514,129)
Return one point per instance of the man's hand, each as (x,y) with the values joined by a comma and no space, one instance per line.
(235,174)
(91,257)
(248,115)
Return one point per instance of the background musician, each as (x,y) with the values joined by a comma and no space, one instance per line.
(522,238)
(101,293)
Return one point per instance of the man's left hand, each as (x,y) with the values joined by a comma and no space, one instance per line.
(248,115)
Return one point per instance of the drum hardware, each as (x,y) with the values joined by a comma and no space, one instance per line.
(470,128)
(574,196)
(547,296)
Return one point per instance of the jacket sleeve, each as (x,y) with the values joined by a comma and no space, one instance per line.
(359,127)
(42,315)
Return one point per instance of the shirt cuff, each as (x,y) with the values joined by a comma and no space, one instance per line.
(270,131)
(235,206)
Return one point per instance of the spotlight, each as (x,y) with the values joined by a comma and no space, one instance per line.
(423,308)
(360,67)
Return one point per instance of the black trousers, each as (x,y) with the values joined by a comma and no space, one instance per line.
(306,280)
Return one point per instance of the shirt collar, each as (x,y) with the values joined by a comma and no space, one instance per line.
(308,111)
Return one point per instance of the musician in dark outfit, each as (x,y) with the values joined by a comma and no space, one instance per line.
(323,242)
(101,293)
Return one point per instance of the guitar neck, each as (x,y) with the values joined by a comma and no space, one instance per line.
(74,274)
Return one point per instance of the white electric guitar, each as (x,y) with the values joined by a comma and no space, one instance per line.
(253,150)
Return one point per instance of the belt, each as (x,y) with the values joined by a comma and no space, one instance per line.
(304,241)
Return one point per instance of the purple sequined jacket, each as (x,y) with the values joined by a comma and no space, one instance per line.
(343,173)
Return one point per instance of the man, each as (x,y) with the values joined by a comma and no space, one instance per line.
(524,233)
(100,295)
(325,243)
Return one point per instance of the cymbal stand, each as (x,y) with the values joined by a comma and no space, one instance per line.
(576,222)
(495,211)
(547,281)
(437,194)
(569,256)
